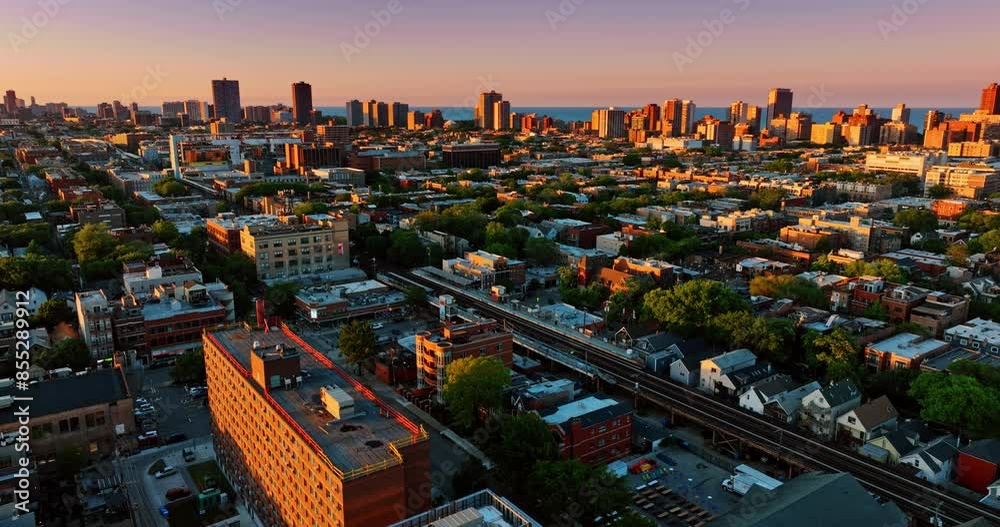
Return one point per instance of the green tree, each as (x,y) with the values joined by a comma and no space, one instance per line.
(358,343)
(165,231)
(917,220)
(766,337)
(406,248)
(310,207)
(170,187)
(939,192)
(958,401)
(474,383)
(876,311)
(67,353)
(281,298)
(690,307)
(767,198)
(791,287)
(189,368)
(882,268)
(540,251)
(836,353)
(46,273)
(570,492)
(989,241)
(416,296)
(525,440)
(54,311)
(93,242)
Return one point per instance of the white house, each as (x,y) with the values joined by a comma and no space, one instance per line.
(868,420)
(935,461)
(714,370)
(9,303)
(778,397)
(820,409)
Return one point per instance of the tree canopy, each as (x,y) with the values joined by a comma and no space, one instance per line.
(917,220)
(67,353)
(690,307)
(474,383)
(835,353)
(189,368)
(791,287)
(960,400)
(882,268)
(358,342)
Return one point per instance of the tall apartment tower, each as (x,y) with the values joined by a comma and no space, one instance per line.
(612,125)
(226,98)
(371,113)
(501,115)
(672,118)
(652,114)
(779,102)
(901,114)
(753,117)
(302,102)
(381,115)
(355,113)
(991,99)
(737,112)
(485,117)
(934,118)
(10,102)
(688,109)
(397,114)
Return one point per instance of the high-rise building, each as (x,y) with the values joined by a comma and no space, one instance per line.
(753,117)
(302,102)
(501,115)
(485,117)
(257,114)
(121,112)
(688,109)
(311,444)
(105,111)
(355,113)
(901,114)
(672,118)
(612,124)
(381,115)
(415,120)
(397,114)
(171,108)
(226,98)
(934,118)
(779,103)
(719,132)
(196,110)
(737,112)
(371,113)
(435,119)
(652,114)
(991,99)
(10,102)
(338,134)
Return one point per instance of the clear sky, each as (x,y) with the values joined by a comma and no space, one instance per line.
(537,52)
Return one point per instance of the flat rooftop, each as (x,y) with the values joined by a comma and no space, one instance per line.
(351,443)
(908,345)
(65,394)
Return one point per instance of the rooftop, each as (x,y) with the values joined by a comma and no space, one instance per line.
(908,345)
(352,443)
(50,397)
(596,406)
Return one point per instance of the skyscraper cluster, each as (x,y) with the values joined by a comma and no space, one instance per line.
(492,112)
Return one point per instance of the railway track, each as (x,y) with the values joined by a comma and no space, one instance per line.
(918,497)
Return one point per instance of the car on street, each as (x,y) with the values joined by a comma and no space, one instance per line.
(165,471)
(176,438)
(188,454)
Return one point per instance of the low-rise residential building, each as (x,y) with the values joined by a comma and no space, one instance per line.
(903,350)
(964,181)
(940,311)
(778,397)
(328,303)
(482,508)
(103,211)
(820,409)
(869,420)
(978,464)
(142,279)
(455,340)
(934,462)
(595,429)
(716,372)
(486,268)
(94,317)
(977,334)
(175,318)
(287,252)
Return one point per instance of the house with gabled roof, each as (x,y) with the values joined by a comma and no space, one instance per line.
(868,420)
(820,409)
(935,461)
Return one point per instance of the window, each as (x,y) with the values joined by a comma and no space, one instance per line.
(601,429)
(852,420)
(63,426)
(93,447)
(89,419)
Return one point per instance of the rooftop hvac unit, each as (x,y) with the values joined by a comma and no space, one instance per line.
(337,402)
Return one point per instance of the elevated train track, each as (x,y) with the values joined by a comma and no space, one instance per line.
(918,497)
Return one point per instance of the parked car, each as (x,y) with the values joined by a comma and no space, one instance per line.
(188,454)
(165,471)
(177,493)
(176,438)
(197,389)
(377,326)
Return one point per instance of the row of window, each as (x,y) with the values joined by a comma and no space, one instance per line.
(69,425)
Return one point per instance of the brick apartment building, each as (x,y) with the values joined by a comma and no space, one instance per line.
(458,340)
(307,443)
(595,429)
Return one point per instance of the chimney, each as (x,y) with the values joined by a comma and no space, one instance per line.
(260,307)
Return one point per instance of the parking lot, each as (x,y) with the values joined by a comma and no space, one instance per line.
(174,411)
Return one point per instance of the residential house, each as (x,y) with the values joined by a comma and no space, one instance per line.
(978,465)
(713,370)
(934,462)
(868,420)
(820,409)
(784,407)
(595,429)
(903,350)
(891,445)
(977,335)
(687,369)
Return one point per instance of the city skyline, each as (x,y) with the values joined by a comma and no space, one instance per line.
(698,52)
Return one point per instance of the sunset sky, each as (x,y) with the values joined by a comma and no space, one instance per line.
(443,52)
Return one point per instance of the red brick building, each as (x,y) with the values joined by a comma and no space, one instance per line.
(458,340)
(307,443)
(596,429)
(583,236)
